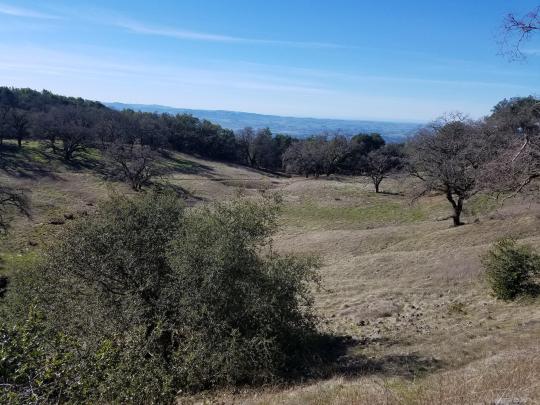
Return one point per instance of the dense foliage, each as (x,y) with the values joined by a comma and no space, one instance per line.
(69,125)
(146,299)
(511,270)
(72,124)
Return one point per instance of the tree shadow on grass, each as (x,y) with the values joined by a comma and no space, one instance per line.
(174,164)
(259,170)
(338,359)
(189,198)
(4,280)
(29,163)
(532,289)
(90,163)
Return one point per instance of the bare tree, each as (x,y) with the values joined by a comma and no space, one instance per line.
(316,155)
(515,144)
(294,160)
(151,130)
(19,123)
(517,30)
(311,156)
(135,162)
(246,140)
(71,125)
(518,164)
(110,127)
(447,157)
(334,151)
(4,124)
(380,163)
(263,149)
(14,123)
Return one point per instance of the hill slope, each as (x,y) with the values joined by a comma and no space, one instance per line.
(405,287)
(296,126)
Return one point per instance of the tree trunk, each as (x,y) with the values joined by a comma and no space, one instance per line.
(457,206)
(19,142)
(53,144)
(377,183)
(457,212)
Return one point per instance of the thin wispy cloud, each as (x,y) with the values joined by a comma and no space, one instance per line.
(50,62)
(321,75)
(13,11)
(461,83)
(139,28)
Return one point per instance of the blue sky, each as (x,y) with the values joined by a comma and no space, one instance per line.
(385,60)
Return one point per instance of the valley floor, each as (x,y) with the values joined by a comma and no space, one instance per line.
(403,285)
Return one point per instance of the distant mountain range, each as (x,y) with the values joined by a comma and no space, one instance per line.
(294,126)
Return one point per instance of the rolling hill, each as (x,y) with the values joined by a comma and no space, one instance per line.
(295,126)
(404,287)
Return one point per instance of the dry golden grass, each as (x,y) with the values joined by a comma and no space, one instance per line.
(406,287)
(412,291)
(409,291)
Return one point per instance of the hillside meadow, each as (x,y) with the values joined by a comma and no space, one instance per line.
(401,287)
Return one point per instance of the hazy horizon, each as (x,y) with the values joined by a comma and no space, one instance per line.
(405,121)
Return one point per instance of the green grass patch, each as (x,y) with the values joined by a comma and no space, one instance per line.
(312,214)
(480,204)
(35,158)
(11,263)
(175,163)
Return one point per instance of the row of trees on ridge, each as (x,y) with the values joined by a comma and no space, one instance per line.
(454,156)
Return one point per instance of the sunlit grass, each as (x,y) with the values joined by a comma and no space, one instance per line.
(11,262)
(481,204)
(311,214)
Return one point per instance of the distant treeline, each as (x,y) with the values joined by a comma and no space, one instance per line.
(74,123)
(71,124)
(455,156)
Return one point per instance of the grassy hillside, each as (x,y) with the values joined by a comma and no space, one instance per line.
(404,287)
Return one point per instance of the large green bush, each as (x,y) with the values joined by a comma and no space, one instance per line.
(146,299)
(511,269)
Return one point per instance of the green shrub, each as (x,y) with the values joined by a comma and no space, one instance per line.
(35,365)
(246,310)
(41,365)
(511,269)
(149,299)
